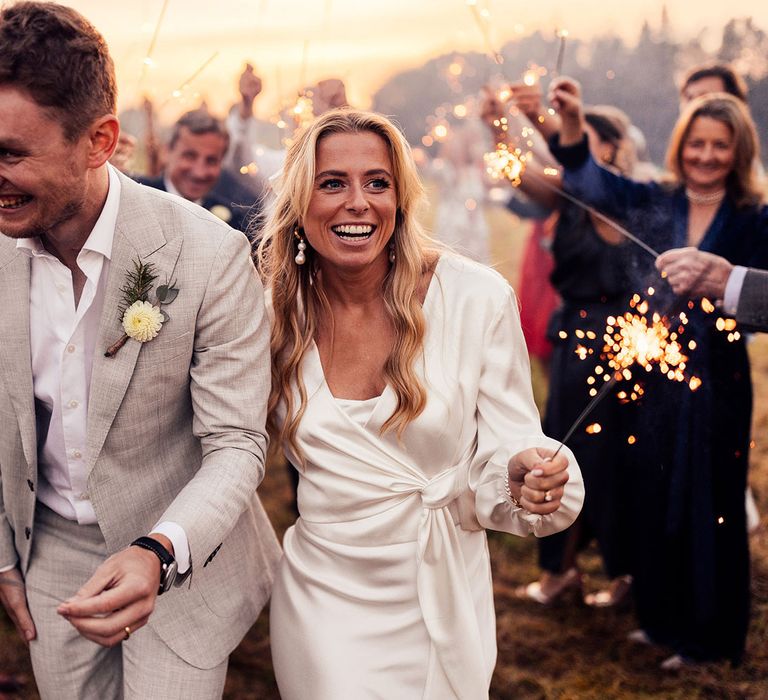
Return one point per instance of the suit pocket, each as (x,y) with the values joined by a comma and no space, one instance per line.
(161,351)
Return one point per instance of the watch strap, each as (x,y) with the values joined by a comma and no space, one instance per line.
(165,557)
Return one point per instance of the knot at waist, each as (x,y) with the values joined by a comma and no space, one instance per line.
(442,489)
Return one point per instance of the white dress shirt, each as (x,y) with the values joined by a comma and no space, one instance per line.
(733,289)
(63,342)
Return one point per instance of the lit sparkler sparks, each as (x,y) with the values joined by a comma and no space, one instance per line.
(630,341)
(303,109)
(504,163)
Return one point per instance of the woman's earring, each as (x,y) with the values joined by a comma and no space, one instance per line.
(302,246)
(392,252)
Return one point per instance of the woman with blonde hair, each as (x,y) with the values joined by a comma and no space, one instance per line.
(690,454)
(401,389)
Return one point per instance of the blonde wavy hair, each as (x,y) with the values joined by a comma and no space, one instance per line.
(742,183)
(298,299)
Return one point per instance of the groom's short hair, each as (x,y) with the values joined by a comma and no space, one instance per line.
(54,54)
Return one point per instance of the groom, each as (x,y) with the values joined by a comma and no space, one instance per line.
(134,553)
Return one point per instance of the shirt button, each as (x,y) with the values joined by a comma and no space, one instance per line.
(61,289)
(73,404)
(83,496)
(77,454)
(70,348)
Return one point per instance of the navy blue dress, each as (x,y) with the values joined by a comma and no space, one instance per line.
(689,468)
(590,276)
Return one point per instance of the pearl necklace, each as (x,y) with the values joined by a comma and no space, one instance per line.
(710,198)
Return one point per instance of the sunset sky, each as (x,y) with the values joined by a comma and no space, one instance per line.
(295,42)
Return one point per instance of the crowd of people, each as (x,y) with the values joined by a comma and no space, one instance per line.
(153,350)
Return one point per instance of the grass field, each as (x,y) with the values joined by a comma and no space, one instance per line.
(565,652)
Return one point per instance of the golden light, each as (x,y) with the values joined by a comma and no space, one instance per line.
(725,324)
(460,111)
(707,305)
(694,383)
(455,69)
(530,77)
(440,131)
(563,335)
(505,164)
(631,439)
(594,428)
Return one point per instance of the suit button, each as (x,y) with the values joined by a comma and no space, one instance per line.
(31,485)
(27,532)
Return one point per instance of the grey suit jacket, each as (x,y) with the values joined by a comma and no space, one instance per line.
(175,425)
(752,310)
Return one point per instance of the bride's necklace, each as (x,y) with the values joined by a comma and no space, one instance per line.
(709,198)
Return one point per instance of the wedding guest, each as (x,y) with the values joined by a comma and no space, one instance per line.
(130,451)
(710,78)
(193,170)
(401,390)
(690,463)
(590,278)
(256,144)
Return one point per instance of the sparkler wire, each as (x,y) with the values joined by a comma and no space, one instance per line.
(604,390)
(594,212)
(560,55)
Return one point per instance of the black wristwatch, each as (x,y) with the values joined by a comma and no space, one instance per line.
(168,566)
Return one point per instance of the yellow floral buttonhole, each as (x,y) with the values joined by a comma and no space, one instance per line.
(142,321)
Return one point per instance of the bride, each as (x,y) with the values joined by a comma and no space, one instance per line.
(401,390)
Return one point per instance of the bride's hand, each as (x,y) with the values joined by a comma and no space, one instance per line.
(537,481)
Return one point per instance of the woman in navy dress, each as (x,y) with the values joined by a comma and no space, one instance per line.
(689,471)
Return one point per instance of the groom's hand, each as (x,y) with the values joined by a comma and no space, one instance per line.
(121,594)
(14,599)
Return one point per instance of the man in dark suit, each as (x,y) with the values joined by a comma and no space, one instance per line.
(742,292)
(194,171)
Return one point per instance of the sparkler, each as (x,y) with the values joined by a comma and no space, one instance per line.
(148,61)
(634,341)
(481,19)
(179,91)
(561,34)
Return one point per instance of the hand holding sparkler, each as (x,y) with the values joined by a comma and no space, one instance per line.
(537,477)
(693,272)
(493,112)
(565,97)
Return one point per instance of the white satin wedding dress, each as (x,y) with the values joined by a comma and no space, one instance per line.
(384,591)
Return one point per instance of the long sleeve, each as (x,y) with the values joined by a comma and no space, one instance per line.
(599,187)
(752,309)
(507,423)
(230,380)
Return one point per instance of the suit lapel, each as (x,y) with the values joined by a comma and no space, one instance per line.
(138,234)
(16,358)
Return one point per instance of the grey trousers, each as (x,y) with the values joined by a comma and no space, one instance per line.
(68,666)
